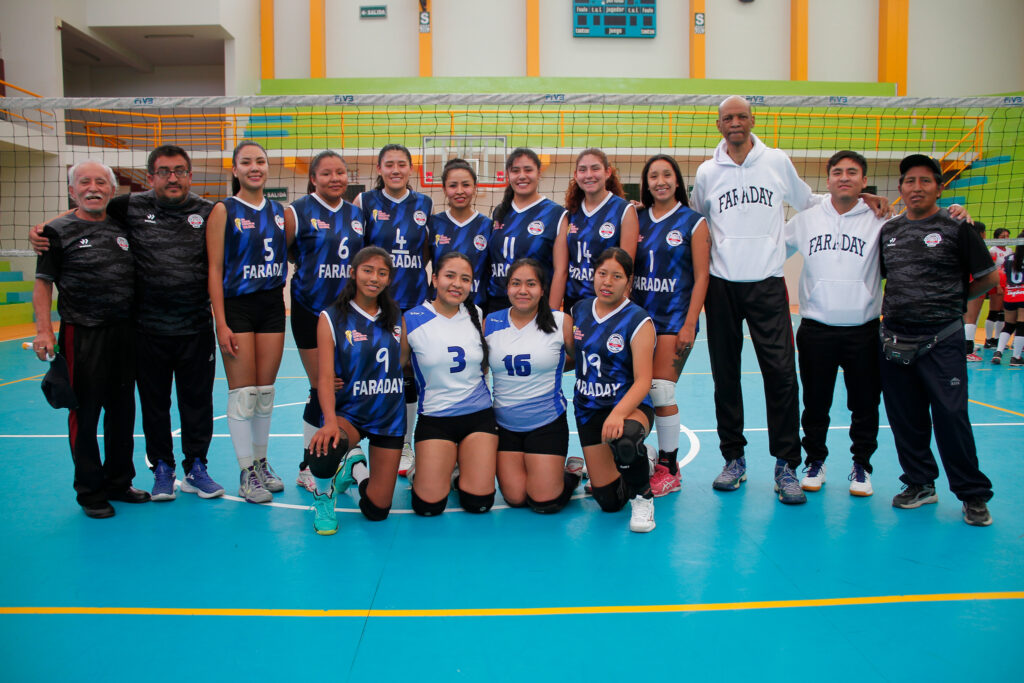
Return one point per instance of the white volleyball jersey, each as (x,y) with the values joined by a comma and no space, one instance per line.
(526,367)
(446,357)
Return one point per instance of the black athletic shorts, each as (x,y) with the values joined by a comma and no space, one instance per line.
(259,312)
(1012,305)
(455,427)
(549,439)
(380,441)
(304,324)
(590,431)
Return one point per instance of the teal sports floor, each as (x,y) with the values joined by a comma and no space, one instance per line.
(729,586)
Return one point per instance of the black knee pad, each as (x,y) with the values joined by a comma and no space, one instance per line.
(366,506)
(326,465)
(611,497)
(547,507)
(312,414)
(425,509)
(411,395)
(473,503)
(627,447)
(995,316)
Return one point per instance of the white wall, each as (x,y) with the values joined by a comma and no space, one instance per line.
(479,38)
(32,55)
(365,48)
(241,19)
(842,42)
(291,39)
(165,81)
(747,40)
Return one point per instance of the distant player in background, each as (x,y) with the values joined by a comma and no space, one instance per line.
(246,248)
(995,318)
(974,311)
(1011,279)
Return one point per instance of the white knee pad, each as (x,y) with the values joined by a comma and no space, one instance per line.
(242,403)
(265,400)
(663,393)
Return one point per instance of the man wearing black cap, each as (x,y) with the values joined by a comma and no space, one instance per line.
(929,259)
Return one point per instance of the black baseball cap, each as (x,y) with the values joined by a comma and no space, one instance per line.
(915,160)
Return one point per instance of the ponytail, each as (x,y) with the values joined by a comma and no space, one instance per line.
(474,314)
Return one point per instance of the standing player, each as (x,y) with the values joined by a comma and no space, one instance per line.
(359,342)
(974,308)
(598,217)
(672,256)
(395,219)
(613,344)
(1011,279)
(456,423)
(245,243)
(462,228)
(995,318)
(326,232)
(526,350)
(526,224)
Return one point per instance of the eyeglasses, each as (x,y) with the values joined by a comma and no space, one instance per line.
(180,172)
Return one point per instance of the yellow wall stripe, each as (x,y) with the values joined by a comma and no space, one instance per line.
(514,611)
(798,40)
(426,45)
(266,39)
(697,43)
(533,37)
(317,55)
(893,24)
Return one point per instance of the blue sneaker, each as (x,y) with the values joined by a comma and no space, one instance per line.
(198,481)
(344,479)
(325,522)
(733,474)
(786,484)
(163,482)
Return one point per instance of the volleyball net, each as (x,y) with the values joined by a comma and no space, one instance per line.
(978,142)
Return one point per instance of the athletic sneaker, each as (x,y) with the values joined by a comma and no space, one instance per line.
(250,487)
(344,479)
(732,475)
(642,518)
(268,477)
(976,512)
(973,358)
(163,482)
(1017,362)
(325,521)
(814,476)
(198,481)
(306,481)
(664,482)
(860,481)
(786,484)
(652,459)
(574,466)
(991,343)
(914,496)
(406,461)
(997,358)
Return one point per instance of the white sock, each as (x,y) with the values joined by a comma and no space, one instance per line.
(1004,338)
(969,332)
(360,472)
(324,485)
(990,326)
(1000,324)
(308,431)
(241,439)
(668,432)
(1018,346)
(260,436)
(410,421)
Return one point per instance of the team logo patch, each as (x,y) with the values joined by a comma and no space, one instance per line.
(379,215)
(315,223)
(420,218)
(480,242)
(577,333)
(573,229)
(932,239)
(354,336)
(441,239)
(123,243)
(535,228)
(606,230)
(195,220)
(615,343)
(280,221)
(397,333)
(674,238)
(357,227)
(244,224)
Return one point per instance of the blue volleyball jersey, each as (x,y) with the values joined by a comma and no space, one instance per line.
(446,362)
(368,359)
(526,368)
(469,238)
(529,232)
(589,234)
(400,228)
(326,239)
(604,357)
(254,247)
(663,274)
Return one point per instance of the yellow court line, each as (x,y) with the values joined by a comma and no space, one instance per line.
(23,379)
(988,405)
(513,611)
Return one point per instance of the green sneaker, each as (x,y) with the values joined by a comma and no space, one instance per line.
(325,522)
(344,479)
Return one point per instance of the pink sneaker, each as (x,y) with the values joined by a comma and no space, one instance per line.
(663,483)
(973,358)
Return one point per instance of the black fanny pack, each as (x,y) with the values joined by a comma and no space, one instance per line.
(907,348)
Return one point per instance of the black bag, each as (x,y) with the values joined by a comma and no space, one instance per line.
(904,349)
(57,385)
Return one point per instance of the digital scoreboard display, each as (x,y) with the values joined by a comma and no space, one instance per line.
(614,18)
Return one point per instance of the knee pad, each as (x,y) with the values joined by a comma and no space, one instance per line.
(546,507)
(411,395)
(265,400)
(629,446)
(611,497)
(471,502)
(663,393)
(366,506)
(242,403)
(312,414)
(425,509)
(995,316)
(326,465)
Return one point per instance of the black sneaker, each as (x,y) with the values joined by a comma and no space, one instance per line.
(1017,362)
(914,496)
(997,358)
(991,343)
(976,512)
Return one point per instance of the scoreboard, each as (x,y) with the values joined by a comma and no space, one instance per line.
(614,18)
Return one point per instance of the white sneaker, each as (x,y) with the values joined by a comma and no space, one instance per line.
(305,480)
(407,462)
(814,477)
(642,518)
(860,482)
